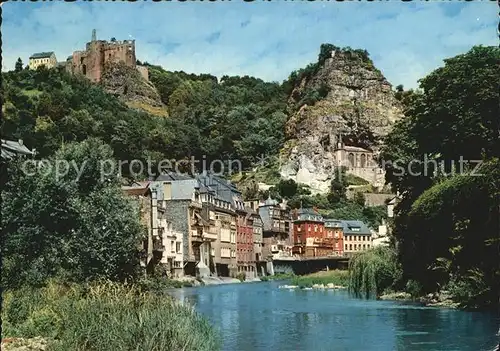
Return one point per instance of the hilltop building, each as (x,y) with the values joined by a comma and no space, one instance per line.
(92,61)
(47,59)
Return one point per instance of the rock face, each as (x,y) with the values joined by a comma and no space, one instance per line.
(130,86)
(340,109)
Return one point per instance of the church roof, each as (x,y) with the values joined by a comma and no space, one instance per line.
(355,148)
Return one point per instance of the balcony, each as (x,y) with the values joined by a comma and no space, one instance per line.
(195,204)
(158,246)
(196,235)
(210,235)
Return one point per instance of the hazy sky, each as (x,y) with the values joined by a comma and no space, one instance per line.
(263,39)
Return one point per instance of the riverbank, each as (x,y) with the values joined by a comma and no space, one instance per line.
(441,299)
(333,279)
(108,316)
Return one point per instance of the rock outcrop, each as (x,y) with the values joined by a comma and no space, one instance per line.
(340,108)
(129,85)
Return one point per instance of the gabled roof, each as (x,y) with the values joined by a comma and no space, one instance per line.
(169,176)
(355,148)
(355,228)
(38,55)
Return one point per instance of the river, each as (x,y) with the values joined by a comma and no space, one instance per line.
(259,316)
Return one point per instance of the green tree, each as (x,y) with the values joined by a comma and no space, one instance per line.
(19,65)
(70,223)
(338,186)
(452,118)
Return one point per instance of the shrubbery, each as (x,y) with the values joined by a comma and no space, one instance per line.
(105,316)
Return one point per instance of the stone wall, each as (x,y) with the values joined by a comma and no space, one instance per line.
(100,53)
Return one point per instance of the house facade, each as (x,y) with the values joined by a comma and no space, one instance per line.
(152,216)
(311,236)
(335,230)
(47,59)
(276,227)
(357,237)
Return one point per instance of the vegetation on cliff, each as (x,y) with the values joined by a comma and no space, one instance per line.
(447,223)
(238,118)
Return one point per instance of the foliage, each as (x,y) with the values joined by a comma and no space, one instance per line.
(105,316)
(338,186)
(279,276)
(241,118)
(241,276)
(373,271)
(74,227)
(445,226)
(19,65)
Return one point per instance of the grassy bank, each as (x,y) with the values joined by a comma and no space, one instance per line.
(107,316)
(336,277)
(281,276)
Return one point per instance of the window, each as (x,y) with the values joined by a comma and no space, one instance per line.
(350,247)
(346,247)
(172,245)
(178,247)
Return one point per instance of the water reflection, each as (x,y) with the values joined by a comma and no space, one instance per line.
(259,316)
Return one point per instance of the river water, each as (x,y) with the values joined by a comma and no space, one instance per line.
(259,316)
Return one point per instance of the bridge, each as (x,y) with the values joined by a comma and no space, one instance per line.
(307,265)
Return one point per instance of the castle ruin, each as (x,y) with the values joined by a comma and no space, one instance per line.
(100,53)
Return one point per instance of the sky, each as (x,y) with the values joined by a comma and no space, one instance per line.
(268,40)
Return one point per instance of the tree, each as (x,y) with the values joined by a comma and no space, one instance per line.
(359,198)
(75,226)
(338,187)
(444,218)
(19,65)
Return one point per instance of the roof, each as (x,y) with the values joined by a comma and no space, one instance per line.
(355,228)
(170,176)
(333,223)
(355,148)
(310,211)
(11,148)
(136,189)
(270,202)
(38,55)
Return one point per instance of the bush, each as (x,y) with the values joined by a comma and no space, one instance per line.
(107,316)
(241,276)
(373,271)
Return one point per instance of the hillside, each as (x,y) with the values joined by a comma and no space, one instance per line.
(341,98)
(238,119)
(127,84)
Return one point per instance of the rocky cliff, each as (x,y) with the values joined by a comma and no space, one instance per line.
(128,84)
(338,105)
